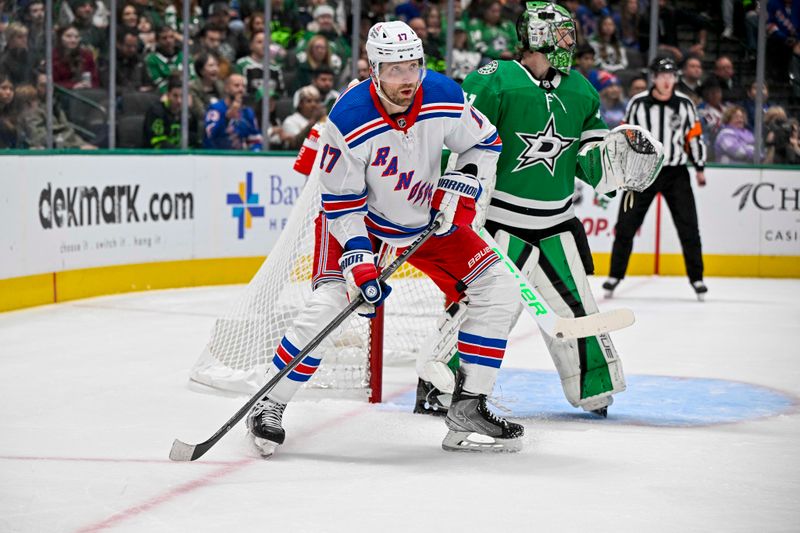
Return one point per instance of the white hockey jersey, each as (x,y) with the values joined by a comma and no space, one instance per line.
(378,172)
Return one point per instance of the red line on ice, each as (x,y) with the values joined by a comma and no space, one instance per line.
(165,497)
(229,468)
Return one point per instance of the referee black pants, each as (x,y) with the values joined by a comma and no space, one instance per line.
(674,184)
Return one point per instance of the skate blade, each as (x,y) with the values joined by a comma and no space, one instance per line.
(701,297)
(265,448)
(609,294)
(464,441)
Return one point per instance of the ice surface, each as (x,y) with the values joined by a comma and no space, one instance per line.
(95,391)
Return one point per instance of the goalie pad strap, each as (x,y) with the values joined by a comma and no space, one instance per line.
(524,255)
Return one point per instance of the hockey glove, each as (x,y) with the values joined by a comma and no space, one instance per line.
(455,197)
(358,267)
(631,158)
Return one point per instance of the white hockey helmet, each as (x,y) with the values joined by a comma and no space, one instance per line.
(392,42)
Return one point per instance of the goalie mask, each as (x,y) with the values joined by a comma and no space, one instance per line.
(391,43)
(549,29)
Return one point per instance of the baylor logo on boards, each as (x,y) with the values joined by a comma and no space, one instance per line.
(544,147)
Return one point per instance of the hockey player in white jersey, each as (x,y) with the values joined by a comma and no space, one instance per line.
(380,178)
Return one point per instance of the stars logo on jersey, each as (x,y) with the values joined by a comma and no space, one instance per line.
(488,68)
(544,147)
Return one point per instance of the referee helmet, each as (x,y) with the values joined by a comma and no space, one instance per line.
(663,64)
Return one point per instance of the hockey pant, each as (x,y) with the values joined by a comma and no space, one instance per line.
(461,265)
(589,368)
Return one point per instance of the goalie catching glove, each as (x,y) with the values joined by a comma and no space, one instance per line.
(631,158)
(361,274)
(455,197)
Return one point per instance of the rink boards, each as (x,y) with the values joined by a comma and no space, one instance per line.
(83,225)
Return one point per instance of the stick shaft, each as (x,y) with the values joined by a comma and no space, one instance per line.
(547,319)
(533,301)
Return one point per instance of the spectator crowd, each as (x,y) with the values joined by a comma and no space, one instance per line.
(310,62)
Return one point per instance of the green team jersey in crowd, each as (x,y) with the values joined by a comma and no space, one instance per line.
(159,67)
(253,72)
(492,41)
(548,139)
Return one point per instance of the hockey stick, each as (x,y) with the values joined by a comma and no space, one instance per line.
(547,319)
(189,452)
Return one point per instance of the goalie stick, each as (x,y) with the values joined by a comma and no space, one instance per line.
(182,451)
(552,324)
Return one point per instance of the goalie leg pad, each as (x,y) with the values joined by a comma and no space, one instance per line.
(589,368)
(440,347)
(440,375)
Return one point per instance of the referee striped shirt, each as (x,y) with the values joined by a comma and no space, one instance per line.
(675,123)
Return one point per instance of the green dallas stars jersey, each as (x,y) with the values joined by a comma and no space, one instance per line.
(548,139)
(160,67)
(492,41)
(253,72)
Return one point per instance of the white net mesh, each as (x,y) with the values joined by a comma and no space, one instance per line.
(243,341)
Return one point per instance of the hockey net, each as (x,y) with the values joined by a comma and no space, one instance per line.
(243,341)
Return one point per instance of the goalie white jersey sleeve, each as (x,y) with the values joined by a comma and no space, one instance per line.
(378,172)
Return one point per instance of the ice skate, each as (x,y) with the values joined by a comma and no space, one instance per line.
(474,428)
(700,289)
(609,285)
(599,406)
(430,400)
(264,426)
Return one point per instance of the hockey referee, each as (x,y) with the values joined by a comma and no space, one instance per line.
(672,119)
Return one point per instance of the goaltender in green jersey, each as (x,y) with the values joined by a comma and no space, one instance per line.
(548,117)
